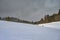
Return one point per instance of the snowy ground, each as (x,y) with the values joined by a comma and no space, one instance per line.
(55,25)
(21,31)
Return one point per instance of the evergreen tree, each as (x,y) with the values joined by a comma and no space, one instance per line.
(59,11)
(0,18)
(8,18)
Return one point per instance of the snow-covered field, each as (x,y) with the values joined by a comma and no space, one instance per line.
(21,31)
(55,25)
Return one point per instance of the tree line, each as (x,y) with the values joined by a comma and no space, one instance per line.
(46,19)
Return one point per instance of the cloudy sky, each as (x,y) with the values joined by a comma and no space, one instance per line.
(28,9)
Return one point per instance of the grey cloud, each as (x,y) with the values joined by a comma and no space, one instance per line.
(28,9)
(51,3)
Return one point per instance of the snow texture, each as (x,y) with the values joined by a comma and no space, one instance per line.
(55,25)
(21,31)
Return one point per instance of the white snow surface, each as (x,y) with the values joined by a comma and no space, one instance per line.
(55,25)
(21,31)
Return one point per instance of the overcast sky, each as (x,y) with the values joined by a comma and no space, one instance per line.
(28,9)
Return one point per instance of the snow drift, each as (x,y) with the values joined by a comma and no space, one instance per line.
(21,31)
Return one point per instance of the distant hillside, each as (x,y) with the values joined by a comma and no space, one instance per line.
(16,20)
(48,19)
